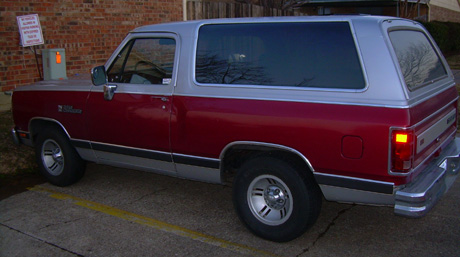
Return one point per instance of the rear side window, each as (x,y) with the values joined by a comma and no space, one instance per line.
(317,55)
(419,62)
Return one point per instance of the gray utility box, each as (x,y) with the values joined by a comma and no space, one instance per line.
(54,67)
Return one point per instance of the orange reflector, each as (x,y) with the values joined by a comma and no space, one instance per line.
(24,135)
(401,138)
(58,57)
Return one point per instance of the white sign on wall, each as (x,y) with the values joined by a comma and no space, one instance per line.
(30,30)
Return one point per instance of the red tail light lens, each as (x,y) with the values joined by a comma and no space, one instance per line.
(402,151)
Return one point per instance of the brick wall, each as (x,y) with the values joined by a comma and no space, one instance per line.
(89,30)
(442,14)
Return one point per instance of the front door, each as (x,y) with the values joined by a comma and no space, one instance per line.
(129,118)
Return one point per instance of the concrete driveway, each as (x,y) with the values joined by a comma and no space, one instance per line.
(117,212)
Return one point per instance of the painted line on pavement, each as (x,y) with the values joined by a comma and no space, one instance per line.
(159,225)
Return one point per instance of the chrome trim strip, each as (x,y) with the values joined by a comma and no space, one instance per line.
(269,145)
(346,195)
(70,85)
(203,174)
(435,113)
(132,151)
(99,89)
(183,159)
(135,162)
(293,88)
(319,102)
(196,161)
(354,183)
(296,101)
(85,144)
(51,120)
(433,132)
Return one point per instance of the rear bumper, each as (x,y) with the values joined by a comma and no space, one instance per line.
(417,198)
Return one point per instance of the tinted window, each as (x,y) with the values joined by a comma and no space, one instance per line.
(320,55)
(418,60)
(144,61)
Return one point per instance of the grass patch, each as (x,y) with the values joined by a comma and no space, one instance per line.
(14,159)
(454,62)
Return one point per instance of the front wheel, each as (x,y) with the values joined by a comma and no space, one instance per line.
(57,159)
(274,199)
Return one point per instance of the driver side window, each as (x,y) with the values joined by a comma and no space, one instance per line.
(144,61)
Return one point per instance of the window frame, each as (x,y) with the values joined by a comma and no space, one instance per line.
(353,36)
(144,88)
(396,59)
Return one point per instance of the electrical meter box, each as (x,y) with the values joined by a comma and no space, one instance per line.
(54,67)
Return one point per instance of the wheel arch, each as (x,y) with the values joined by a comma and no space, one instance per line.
(236,153)
(38,124)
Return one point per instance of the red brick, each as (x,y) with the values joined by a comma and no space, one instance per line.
(95,31)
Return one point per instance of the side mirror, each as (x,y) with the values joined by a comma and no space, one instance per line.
(98,76)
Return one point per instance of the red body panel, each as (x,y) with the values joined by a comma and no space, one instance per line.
(134,120)
(204,126)
(44,104)
(348,140)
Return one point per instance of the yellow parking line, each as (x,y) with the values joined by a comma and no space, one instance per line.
(139,219)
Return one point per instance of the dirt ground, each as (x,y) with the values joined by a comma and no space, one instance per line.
(17,163)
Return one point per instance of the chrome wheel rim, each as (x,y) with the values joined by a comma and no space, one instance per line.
(52,157)
(270,200)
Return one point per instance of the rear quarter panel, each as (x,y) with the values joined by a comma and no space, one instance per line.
(204,126)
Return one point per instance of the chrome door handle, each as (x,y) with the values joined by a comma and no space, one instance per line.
(162,98)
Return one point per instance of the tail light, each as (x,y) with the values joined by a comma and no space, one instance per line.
(402,151)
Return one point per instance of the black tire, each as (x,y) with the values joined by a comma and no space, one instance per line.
(275,200)
(57,159)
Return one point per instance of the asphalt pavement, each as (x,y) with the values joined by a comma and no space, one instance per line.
(119,212)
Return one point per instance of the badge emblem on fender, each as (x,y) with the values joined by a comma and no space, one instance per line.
(68,109)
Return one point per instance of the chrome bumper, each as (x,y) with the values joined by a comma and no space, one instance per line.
(418,197)
(15,136)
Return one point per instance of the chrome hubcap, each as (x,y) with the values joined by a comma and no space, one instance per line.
(52,157)
(270,200)
(275,197)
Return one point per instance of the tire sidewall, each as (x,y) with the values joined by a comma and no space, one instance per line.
(73,166)
(305,204)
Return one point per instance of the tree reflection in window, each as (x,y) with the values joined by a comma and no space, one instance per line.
(418,60)
(215,70)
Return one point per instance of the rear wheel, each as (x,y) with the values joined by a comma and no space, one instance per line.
(57,159)
(274,199)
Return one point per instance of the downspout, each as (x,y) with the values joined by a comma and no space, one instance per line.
(184,12)
(429,10)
